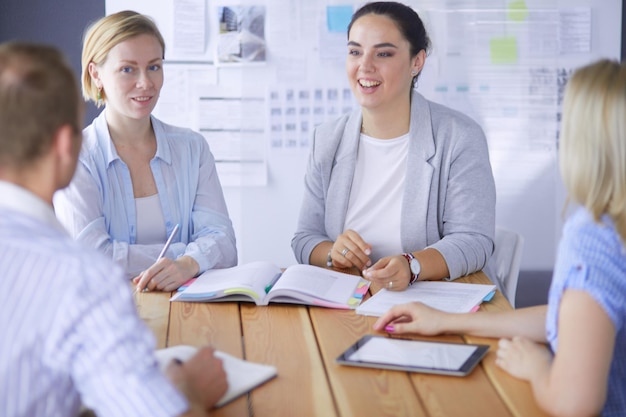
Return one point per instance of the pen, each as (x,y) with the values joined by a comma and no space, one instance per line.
(269,286)
(165,248)
(169,242)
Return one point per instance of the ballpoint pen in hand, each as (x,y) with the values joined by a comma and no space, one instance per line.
(169,242)
(164,250)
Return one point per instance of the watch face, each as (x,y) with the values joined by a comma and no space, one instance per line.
(415,266)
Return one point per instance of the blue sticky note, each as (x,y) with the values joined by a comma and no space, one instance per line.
(489,296)
(338,18)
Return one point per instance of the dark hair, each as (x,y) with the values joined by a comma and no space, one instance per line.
(38,94)
(405,18)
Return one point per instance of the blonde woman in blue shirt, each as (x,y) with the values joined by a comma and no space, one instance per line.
(138,177)
(585,319)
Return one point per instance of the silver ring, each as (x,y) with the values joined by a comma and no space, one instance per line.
(390,285)
(344,252)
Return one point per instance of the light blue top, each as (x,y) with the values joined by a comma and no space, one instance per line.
(69,330)
(592,258)
(98,208)
(449,198)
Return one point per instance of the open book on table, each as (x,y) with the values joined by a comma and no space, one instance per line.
(453,297)
(263,282)
(242,376)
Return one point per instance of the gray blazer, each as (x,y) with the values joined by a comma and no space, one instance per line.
(449,196)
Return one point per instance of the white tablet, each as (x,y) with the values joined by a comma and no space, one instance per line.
(444,358)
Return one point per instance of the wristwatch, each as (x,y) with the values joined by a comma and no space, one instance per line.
(414,265)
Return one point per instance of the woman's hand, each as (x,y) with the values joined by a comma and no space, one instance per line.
(350,250)
(412,318)
(391,272)
(523,358)
(167,274)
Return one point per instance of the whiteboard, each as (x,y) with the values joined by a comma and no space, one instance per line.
(502,62)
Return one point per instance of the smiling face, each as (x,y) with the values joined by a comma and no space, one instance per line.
(379,63)
(131,77)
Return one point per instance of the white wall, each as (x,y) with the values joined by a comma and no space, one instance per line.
(516,102)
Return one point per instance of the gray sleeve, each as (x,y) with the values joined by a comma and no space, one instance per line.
(467,217)
(311,229)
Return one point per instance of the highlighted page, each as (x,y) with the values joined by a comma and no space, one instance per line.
(239,283)
(319,286)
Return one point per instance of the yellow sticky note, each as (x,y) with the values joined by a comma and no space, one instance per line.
(503,50)
(517,11)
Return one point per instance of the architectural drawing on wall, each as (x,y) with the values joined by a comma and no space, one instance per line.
(241,34)
(293,112)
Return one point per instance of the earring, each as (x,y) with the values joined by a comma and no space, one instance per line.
(413,73)
(99,96)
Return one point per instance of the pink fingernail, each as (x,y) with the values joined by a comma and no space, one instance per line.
(389,329)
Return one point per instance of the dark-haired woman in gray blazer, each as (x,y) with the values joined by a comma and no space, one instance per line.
(402,187)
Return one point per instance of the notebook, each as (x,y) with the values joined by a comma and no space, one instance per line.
(242,375)
(263,283)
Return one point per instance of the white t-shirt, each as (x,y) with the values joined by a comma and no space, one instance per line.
(376,194)
(150,220)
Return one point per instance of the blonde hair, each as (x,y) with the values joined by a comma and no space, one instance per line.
(106,33)
(592,152)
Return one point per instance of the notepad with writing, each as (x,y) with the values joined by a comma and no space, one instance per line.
(242,375)
(453,297)
(263,283)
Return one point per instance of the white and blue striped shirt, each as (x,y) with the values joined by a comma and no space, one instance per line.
(69,330)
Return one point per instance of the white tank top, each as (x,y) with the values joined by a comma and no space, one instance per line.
(150,220)
(375,204)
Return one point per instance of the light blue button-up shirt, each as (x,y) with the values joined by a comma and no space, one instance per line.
(98,208)
(592,258)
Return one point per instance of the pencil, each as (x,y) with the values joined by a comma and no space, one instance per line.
(164,250)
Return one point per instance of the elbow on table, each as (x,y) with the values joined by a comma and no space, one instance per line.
(302,245)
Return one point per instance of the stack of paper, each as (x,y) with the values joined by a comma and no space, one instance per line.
(453,297)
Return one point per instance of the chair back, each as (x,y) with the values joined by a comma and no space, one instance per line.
(507,256)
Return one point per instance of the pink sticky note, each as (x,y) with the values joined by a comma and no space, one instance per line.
(361,290)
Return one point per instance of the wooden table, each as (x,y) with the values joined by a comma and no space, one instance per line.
(303,342)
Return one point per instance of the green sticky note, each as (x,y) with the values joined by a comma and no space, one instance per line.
(503,50)
(517,11)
